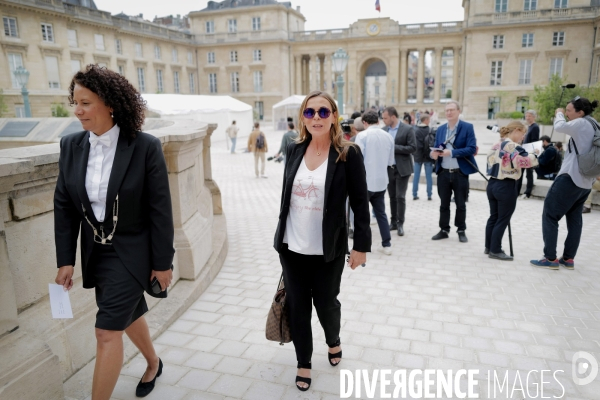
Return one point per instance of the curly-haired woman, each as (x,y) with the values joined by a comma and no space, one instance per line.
(113,185)
(321,171)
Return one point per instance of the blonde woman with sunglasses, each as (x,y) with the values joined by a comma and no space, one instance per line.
(321,171)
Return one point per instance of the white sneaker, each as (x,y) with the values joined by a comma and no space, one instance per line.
(385,250)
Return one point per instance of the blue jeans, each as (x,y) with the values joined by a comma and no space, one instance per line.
(564,198)
(377,200)
(428,171)
(233,140)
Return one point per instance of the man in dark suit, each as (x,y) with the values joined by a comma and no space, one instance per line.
(405,144)
(454,163)
(533,135)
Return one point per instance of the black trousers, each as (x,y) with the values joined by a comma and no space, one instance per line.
(458,183)
(502,195)
(397,187)
(529,188)
(308,280)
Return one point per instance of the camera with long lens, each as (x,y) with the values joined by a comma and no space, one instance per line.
(276,159)
(493,128)
(347,125)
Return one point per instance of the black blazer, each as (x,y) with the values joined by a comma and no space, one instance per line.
(405,144)
(144,236)
(343,179)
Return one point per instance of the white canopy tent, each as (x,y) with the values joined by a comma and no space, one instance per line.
(221,110)
(286,108)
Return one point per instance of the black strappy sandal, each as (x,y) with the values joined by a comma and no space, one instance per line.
(302,379)
(336,355)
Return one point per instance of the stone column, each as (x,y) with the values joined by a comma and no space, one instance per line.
(392,78)
(298,75)
(322,72)
(327,73)
(438,74)
(456,61)
(305,75)
(420,77)
(403,85)
(312,70)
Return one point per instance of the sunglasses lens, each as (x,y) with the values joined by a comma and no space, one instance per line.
(309,113)
(324,112)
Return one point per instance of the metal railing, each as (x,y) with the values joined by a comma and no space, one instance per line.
(540,16)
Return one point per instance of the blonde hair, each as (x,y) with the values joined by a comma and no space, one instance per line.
(340,144)
(512,125)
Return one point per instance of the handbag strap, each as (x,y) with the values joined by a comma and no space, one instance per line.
(281,284)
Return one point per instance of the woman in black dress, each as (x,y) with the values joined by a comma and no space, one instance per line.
(113,186)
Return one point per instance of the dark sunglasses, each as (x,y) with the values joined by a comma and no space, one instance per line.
(310,112)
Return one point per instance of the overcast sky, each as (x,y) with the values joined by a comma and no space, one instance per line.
(319,14)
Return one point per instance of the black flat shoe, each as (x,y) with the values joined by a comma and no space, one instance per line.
(143,389)
(335,355)
(302,379)
(486,251)
(500,256)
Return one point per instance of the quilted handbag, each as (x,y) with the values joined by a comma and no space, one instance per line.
(278,322)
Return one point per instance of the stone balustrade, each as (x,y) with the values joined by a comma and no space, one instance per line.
(40,353)
(546,15)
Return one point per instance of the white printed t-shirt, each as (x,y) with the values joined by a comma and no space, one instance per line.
(304,226)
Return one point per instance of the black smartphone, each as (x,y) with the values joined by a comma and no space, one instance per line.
(155,286)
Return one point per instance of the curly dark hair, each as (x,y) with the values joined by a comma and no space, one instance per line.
(116,92)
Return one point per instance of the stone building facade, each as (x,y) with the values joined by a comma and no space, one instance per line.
(259,52)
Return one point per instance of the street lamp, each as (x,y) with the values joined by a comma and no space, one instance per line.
(22,76)
(340,61)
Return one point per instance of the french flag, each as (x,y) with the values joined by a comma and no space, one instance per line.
(377,6)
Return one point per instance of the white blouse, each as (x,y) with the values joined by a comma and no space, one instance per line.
(99,166)
(304,226)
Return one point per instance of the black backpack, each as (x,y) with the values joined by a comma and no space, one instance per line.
(260,141)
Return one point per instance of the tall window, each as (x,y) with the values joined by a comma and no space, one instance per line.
(525,72)
(256,23)
(75,66)
(501,6)
(138,50)
(174,55)
(235,82)
(210,57)
(192,84)
(212,83)
(159,81)
(121,69)
(15,60)
(527,40)
(258,81)
(20,111)
(210,26)
(561,3)
(99,42)
(47,33)
(10,26)
(141,79)
(496,73)
(157,52)
(52,72)
(530,5)
(498,42)
(190,58)
(176,81)
(257,55)
(72,36)
(558,39)
(232,25)
(118,46)
(556,65)
(233,56)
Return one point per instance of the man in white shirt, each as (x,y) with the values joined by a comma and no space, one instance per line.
(232,132)
(377,147)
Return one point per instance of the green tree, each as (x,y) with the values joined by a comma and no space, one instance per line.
(3,105)
(59,111)
(546,98)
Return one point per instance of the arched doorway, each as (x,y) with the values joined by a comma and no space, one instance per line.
(374,84)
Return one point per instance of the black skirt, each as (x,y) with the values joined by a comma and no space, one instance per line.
(119,296)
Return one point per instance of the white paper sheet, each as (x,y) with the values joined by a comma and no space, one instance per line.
(59,302)
(530,147)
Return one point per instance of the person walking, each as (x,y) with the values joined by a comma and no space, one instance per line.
(505,163)
(425,137)
(321,172)
(257,144)
(570,189)
(377,147)
(455,161)
(232,132)
(533,135)
(405,145)
(287,138)
(114,188)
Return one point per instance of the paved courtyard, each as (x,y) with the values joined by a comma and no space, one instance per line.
(430,305)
